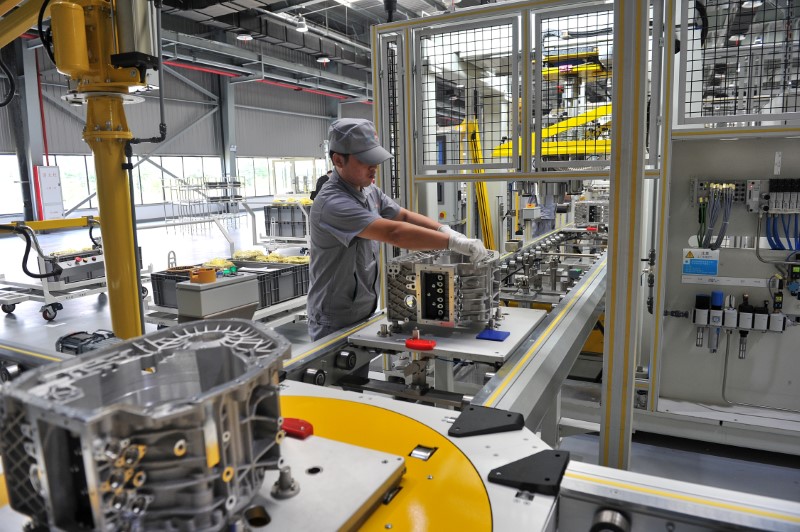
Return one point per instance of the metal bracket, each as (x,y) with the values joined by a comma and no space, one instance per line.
(539,473)
(475,420)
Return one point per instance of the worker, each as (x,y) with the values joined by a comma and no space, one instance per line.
(348,219)
(321,181)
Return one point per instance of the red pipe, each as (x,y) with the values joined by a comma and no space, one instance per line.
(296,88)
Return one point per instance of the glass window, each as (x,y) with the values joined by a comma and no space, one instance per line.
(92,175)
(151,181)
(11,199)
(263,179)
(305,174)
(193,167)
(244,167)
(283,175)
(74,181)
(212,168)
(322,167)
(173,167)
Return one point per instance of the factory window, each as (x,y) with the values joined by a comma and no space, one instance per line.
(264,180)
(212,167)
(74,179)
(192,167)
(150,181)
(246,174)
(91,174)
(306,176)
(11,199)
(284,175)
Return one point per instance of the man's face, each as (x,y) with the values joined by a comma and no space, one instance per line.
(354,171)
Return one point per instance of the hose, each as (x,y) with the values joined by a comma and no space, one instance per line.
(770,240)
(45,37)
(727,206)
(98,244)
(136,250)
(12,84)
(776,234)
(785,225)
(25,233)
(162,126)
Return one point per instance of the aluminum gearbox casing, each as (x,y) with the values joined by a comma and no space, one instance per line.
(442,288)
(170,431)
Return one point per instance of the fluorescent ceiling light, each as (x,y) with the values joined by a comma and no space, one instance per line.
(324,59)
(752,5)
(737,38)
(302,27)
(244,36)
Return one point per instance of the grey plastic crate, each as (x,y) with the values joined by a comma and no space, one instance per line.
(281,283)
(284,221)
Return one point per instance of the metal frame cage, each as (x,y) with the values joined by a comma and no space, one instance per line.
(464,95)
(739,63)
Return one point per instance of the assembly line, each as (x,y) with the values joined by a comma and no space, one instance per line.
(536,219)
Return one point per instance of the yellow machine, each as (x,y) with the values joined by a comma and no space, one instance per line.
(106,49)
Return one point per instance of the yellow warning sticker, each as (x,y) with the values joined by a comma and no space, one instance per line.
(690,255)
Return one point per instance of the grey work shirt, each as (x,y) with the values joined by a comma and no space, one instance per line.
(344,267)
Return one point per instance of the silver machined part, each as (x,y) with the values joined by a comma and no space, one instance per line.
(447,289)
(286,486)
(132,435)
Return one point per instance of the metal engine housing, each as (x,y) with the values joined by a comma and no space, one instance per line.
(171,431)
(442,288)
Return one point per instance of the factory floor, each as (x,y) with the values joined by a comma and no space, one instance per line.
(763,473)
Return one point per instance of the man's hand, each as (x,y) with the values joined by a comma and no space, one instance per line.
(471,247)
(446,229)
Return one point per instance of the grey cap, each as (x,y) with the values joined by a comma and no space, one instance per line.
(357,137)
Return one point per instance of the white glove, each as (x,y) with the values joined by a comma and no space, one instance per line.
(471,247)
(446,229)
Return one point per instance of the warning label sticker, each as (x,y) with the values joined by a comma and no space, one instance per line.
(700,262)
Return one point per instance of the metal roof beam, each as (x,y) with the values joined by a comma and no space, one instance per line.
(235,52)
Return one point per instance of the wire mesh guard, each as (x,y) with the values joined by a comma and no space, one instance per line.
(575,96)
(392,95)
(467,80)
(741,58)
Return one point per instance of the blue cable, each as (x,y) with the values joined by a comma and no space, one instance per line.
(796,232)
(785,225)
(776,235)
(770,237)
(770,241)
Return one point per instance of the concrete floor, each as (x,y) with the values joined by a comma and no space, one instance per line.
(764,473)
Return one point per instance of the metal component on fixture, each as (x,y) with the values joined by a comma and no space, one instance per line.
(286,486)
(165,395)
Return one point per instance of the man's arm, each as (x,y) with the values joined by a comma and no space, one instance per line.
(416,219)
(406,235)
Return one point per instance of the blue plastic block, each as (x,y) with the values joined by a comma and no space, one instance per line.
(491,334)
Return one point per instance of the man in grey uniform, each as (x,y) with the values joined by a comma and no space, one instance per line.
(349,217)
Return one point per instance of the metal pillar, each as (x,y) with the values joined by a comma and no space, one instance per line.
(664,200)
(106,133)
(32,118)
(11,56)
(627,175)
(228,107)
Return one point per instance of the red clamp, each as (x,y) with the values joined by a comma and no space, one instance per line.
(418,344)
(592,228)
(299,429)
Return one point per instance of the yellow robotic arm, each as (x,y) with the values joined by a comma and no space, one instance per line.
(106,51)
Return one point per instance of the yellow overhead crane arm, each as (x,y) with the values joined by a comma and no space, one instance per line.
(20,20)
(568,147)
